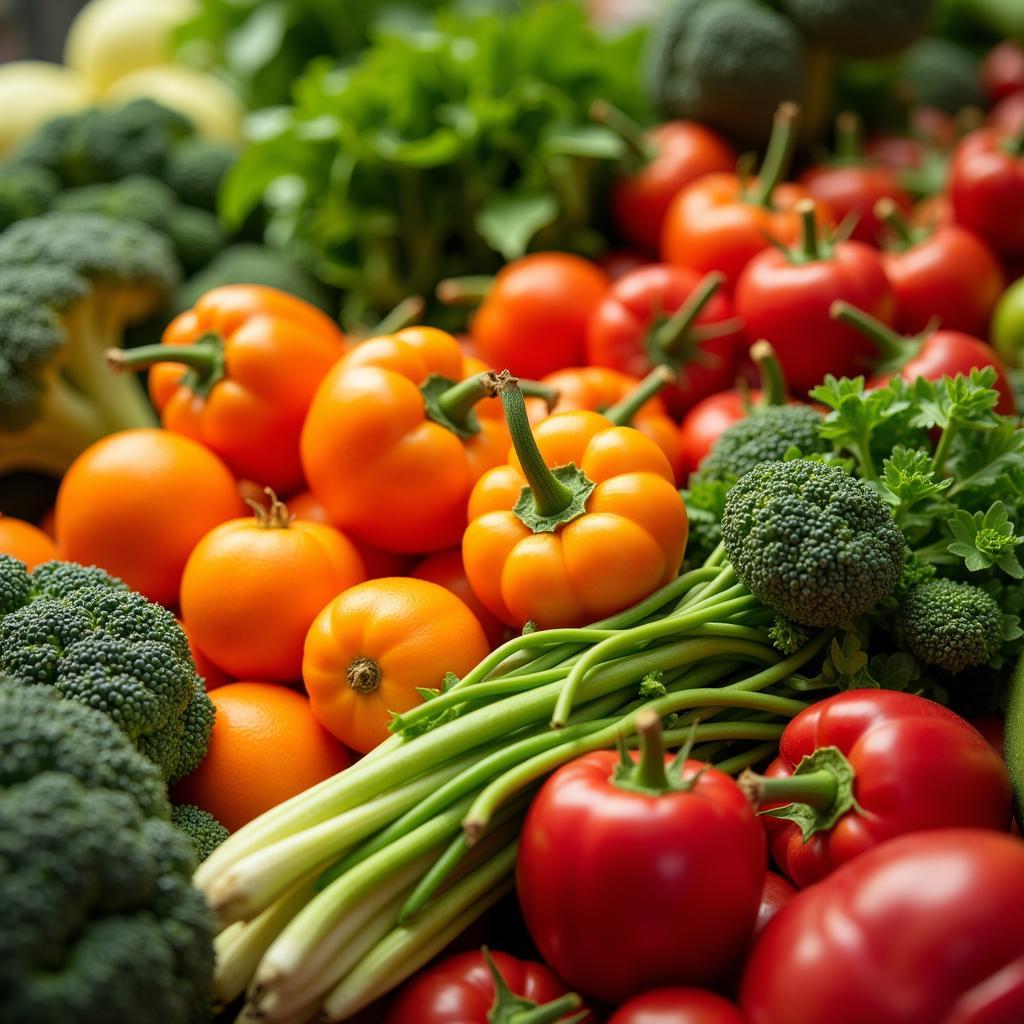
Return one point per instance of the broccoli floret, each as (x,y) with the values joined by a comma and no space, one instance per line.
(195,169)
(248,263)
(61,579)
(196,234)
(39,733)
(25,191)
(101,922)
(96,275)
(786,635)
(205,831)
(951,625)
(113,650)
(861,28)
(811,541)
(939,73)
(765,436)
(106,143)
(133,198)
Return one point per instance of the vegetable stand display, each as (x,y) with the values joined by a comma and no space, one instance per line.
(523,525)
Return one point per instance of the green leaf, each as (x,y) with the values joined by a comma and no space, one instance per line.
(508,223)
(986,539)
(908,477)
(593,140)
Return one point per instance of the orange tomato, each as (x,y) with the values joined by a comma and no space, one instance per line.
(252,587)
(371,647)
(266,747)
(25,542)
(137,502)
(446,570)
(388,467)
(211,675)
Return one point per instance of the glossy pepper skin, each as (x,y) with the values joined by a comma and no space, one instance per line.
(668,315)
(867,765)
(925,929)
(247,361)
(605,530)
(720,221)
(677,1006)
(462,989)
(986,186)
(625,890)
(603,390)
(386,471)
(785,297)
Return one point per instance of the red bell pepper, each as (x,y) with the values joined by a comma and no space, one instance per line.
(864,766)
(722,220)
(665,158)
(632,877)
(931,354)
(986,186)
(784,296)
(851,183)
(944,272)
(925,929)
(485,988)
(677,1006)
(661,314)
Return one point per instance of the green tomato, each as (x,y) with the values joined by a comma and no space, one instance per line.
(1008,324)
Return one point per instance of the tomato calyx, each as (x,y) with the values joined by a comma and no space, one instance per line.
(777,158)
(901,234)
(1013,144)
(272,516)
(508,1008)
(204,359)
(551,497)
(623,411)
(820,790)
(363,675)
(895,350)
(675,340)
(649,775)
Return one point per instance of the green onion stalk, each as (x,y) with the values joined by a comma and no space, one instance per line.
(334,897)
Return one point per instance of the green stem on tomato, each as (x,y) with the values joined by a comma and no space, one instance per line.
(894,348)
(671,338)
(623,412)
(849,138)
(903,236)
(816,789)
(647,774)
(642,150)
(779,155)
(769,369)
(809,248)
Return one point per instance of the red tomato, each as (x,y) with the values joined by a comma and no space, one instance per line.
(631,330)
(703,424)
(1002,70)
(618,263)
(534,318)
(925,929)
(785,297)
(897,152)
(677,1006)
(1007,116)
(461,990)
(929,355)
(879,763)
(948,273)
(777,892)
(624,890)
(986,185)
(671,155)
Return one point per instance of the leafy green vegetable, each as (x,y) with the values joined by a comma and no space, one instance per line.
(442,151)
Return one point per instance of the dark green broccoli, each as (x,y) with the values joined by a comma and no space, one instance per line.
(101,922)
(205,831)
(39,733)
(248,263)
(106,143)
(786,635)
(96,275)
(113,650)
(812,542)
(940,73)
(196,235)
(951,625)
(765,436)
(136,197)
(61,579)
(25,191)
(861,28)
(195,169)
(728,62)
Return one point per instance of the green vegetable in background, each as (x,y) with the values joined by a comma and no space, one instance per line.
(861,28)
(940,73)
(442,152)
(1008,324)
(202,828)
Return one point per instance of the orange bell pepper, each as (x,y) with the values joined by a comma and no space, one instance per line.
(396,436)
(625,400)
(237,373)
(563,547)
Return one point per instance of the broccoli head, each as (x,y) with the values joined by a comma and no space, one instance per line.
(765,436)
(25,191)
(101,922)
(195,169)
(205,831)
(136,197)
(861,28)
(812,542)
(106,143)
(111,649)
(39,733)
(196,235)
(951,625)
